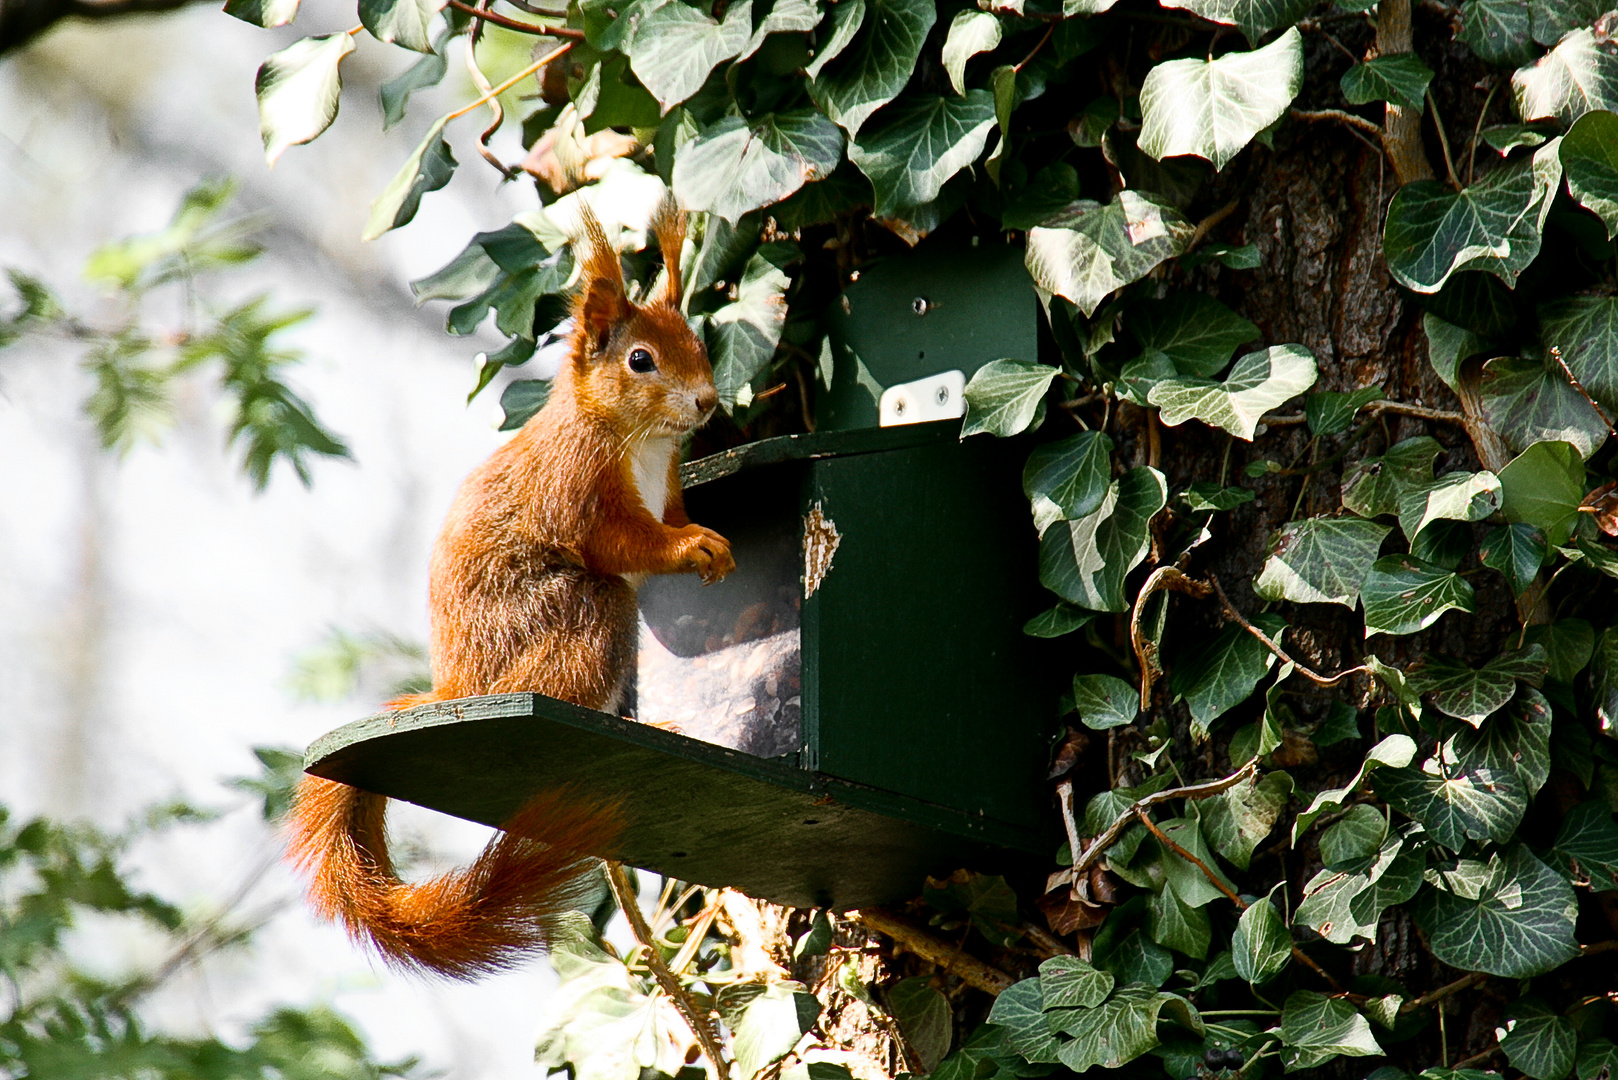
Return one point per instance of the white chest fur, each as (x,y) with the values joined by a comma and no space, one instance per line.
(649,465)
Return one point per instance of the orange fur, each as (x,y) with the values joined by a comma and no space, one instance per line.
(533,589)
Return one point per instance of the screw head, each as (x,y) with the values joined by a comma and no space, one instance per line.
(920,305)
(943,395)
(899,406)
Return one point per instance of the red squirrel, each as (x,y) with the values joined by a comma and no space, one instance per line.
(533,589)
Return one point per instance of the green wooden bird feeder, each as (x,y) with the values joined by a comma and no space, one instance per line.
(856,706)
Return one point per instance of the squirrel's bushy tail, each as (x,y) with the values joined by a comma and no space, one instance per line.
(465,923)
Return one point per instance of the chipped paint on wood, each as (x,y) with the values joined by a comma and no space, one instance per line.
(820,540)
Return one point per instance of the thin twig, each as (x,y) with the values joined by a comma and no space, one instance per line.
(1064,798)
(1556,354)
(1049,30)
(972,971)
(1313,676)
(1207,224)
(1164,577)
(481,82)
(1400,408)
(1334,115)
(518,25)
(1472,147)
(1110,834)
(509,83)
(1434,996)
(694,1017)
(1478,1059)
(1443,142)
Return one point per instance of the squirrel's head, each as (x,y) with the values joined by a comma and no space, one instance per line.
(637,366)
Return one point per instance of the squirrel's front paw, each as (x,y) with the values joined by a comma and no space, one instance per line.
(708,554)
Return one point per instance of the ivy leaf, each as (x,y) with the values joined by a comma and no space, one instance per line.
(924,1018)
(1179,926)
(924,140)
(1456,496)
(1353,838)
(1204,495)
(1086,561)
(405,23)
(1505,138)
(1329,412)
(846,19)
(1590,160)
(1512,916)
(1456,804)
(1528,402)
(1375,485)
(425,72)
(1553,18)
(676,46)
(1004,396)
(1316,1028)
(1196,332)
(1578,76)
(1401,79)
(1060,620)
(1584,329)
(1597,1060)
(1105,701)
(1117,1031)
(970,32)
(297,91)
(1538,1041)
(1344,903)
(1569,644)
(1222,673)
(1067,981)
(1237,819)
(1320,560)
(1255,17)
(1448,345)
(1257,383)
(1213,108)
(1402,594)
(1090,250)
(1395,751)
(1137,959)
(1499,31)
(1261,945)
(1067,479)
(428,168)
(1495,225)
(1589,838)
(1542,487)
(871,72)
(743,334)
(1472,694)
(1019,1010)
(735,166)
(770,1023)
(785,17)
(265,13)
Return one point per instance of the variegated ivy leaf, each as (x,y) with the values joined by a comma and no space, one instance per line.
(1579,75)
(1553,18)
(1375,485)
(1456,802)
(1511,916)
(922,141)
(1068,478)
(1086,561)
(1178,925)
(1193,330)
(676,46)
(1213,108)
(1105,701)
(1068,982)
(736,166)
(970,32)
(785,17)
(1353,838)
(1341,903)
(1515,740)
(1539,1041)
(1528,402)
(1316,1028)
(265,13)
(1474,694)
(1517,551)
(1401,78)
(743,334)
(428,168)
(1257,383)
(297,91)
(1330,412)
(406,23)
(1261,945)
(1505,138)
(1117,1031)
(1255,17)
(1396,751)
(846,19)
(1584,329)
(1402,594)
(1590,160)
(1495,225)
(1456,496)
(426,71)
(1221,674)
(1543,487)
(1239,818)
(1004,397)
(1320,560)
(870,72)
(1090,250)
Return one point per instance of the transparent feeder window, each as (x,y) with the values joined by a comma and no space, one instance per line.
(721,662)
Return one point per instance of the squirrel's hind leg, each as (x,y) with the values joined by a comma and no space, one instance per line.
(583,646)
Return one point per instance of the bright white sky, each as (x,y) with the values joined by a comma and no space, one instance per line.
(149,609)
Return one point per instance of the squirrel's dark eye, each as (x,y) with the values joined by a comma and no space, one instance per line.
(640,360)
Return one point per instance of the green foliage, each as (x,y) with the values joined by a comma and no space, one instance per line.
(136,373)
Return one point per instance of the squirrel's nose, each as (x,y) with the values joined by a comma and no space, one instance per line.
(707,399)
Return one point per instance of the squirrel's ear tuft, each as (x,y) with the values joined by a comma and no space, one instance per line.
(601,302)
(669,225)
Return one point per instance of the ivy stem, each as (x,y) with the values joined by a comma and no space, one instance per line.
(481,81)
(1443,142)
(1110,834)
(1049,30)
(509,83)
(517,24)
(1471,979)
(1240,1012)
(972,971)
(1472,147)
(1556,354)
(1313,676)
(1219,883)
(618,881)
(1340,116)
